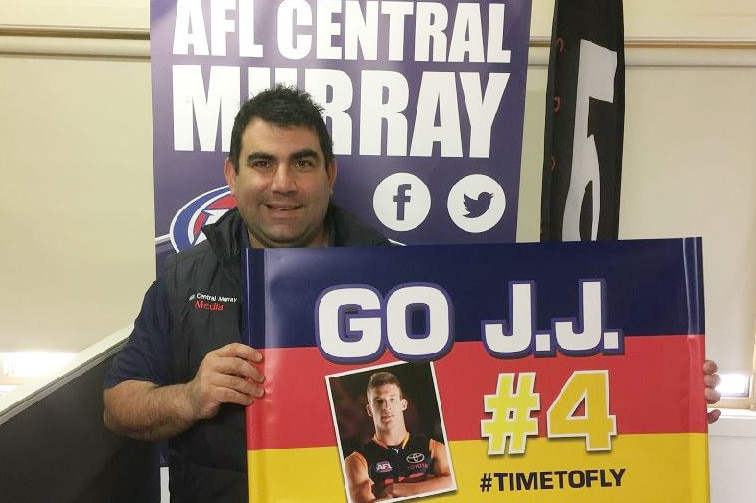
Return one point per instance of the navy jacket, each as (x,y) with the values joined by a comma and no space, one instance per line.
(208,463)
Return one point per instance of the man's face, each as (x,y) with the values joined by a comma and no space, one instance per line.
(283,185)
(386,406)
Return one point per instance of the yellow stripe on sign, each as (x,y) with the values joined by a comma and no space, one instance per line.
(296,475)
(664,468)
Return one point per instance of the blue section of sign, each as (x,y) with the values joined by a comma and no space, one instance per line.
(636,287)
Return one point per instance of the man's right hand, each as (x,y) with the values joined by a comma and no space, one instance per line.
(226,375)
(147,411)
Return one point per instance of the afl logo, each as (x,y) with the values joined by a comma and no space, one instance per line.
(415,457)
(383,467)
(186,227)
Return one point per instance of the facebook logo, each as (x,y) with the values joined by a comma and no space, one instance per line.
(401,201)
(401,198)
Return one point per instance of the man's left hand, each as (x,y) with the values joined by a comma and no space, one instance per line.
(711,381)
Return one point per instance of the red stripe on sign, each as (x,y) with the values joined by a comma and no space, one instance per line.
(655,387)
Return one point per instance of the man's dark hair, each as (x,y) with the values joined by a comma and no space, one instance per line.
(382,378)
(283,106)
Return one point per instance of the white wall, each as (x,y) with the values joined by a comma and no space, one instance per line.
(76,156)
(732,458)
(75,199)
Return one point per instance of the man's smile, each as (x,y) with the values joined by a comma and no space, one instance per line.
(282,207)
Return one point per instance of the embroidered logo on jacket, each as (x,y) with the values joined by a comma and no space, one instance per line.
(207,302)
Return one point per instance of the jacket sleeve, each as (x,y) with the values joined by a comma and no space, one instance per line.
(146,353)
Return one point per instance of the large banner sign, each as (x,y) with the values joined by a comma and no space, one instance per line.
(524,373)
(424,100)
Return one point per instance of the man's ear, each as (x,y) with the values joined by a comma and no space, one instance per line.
(369,410)
(229,172)
(404,404)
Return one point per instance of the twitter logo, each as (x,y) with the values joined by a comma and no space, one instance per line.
(478,206)
(476,203)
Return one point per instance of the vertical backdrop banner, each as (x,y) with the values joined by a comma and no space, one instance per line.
(424,100)
(528,373)
(585,118)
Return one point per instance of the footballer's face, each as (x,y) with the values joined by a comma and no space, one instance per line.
(386,406)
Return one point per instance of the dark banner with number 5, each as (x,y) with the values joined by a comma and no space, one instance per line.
(520,372)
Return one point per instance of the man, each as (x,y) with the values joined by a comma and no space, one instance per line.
(394,463)
(184,375)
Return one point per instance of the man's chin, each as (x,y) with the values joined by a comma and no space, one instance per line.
(284,242)
(283,237)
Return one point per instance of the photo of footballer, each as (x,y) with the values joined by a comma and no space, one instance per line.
(390,431)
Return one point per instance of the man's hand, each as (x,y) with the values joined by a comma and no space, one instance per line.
(147,411)
(711,381)
(226,375)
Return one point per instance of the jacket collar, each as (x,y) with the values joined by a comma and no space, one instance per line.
(228,235)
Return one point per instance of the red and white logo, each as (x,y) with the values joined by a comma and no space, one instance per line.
(207,208)
(383,467)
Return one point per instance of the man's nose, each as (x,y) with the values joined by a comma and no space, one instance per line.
(283,179)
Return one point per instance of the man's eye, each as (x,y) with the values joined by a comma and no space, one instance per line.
(304,163)
(261,164)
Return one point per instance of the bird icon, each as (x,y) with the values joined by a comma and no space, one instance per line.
(477,207)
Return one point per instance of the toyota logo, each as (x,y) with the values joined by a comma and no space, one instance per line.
(415,457)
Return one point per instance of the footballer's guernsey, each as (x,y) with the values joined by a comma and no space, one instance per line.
(410,461)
